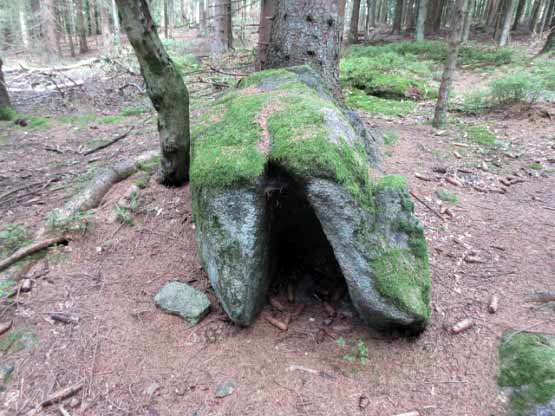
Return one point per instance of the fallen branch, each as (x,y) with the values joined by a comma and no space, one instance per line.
(28,250)
(462,326)
(111,142)
(53,69)
(427,206)
(61,394)
(541,297)
(5,327)
(276,322)
(494,304)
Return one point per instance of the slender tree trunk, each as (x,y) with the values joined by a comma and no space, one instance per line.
(166,18)
(421,19)
(202,18)
(550,42)
(223,37)
(308,33)
(183,12)
(535,14)
(548,14)
(165,88)
(49,24)
(70,26)
(411,12)
(353,28)
(115,19)
(397,21)
(267,10)
(23,25)
(374,10)
(81,28)
(5,104)
(518,16)
(505,23)
(105,24)
(467,21)
(440,115)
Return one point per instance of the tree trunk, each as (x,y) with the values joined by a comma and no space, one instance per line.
(165,88)
(397,21)
(421,19)
(308,33)
(440,115)
(166,19)
(519,11)
(81,28)
(353,29)
(202,18)
(467,21)
(267,10)
(505,23)
(550,42)
(70,26)
(223,36)
(49,23)
(535,15)
(5,104)
(548,14)
(183,12)
(105,24)
(23,25)
(115,20)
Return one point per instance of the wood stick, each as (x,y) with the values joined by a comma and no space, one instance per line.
(5,327)
(28,250)
(462,326)
(542,297)
(494,304)
(111,142)
(277,304)
(427,206)
(62,394)
(276,322)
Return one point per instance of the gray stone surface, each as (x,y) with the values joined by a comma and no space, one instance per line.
(225,389)
(374,235)
(183,300)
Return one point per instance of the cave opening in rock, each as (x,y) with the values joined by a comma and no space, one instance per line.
(303,263)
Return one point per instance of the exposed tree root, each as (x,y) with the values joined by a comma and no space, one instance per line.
(87,199)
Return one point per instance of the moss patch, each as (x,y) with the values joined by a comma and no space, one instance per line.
(447,196)
(527,366)
(379,106)
(17,340)
(481,135)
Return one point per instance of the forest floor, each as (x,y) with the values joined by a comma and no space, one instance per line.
(134,359)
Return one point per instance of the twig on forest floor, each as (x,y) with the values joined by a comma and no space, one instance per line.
(62,394)
(427,206)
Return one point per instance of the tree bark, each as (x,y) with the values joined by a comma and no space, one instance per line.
(440,115)
(105,24)
(505,23)
(223,36)
(518,16)
(49,30)
(81,28)
(115,20)
(550,42)
(308,33)
(5,104)
(421,19)
(535,15)
(267,10)
(548,14)
(353,29)
(397,21)
(203,18)
(467,21)
(70,26)
(165,88)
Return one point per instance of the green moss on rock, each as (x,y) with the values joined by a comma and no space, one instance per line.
(527,367)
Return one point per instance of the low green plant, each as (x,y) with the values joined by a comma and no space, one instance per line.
(379,106)
(112,119)
(6,287)
(123,215)
(8,114)
(12,238)
(56,254)
(79,221)
(142,180)
(447,196)
(36,122)
(133,111)
(516,88)
(78,119)
(481,136)
(357,353)
(390,137)
(535,166)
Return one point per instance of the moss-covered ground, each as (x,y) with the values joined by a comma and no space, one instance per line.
(527,367)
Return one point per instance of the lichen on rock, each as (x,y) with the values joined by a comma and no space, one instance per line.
(287,121)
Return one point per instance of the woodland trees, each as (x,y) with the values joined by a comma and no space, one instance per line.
(4,97)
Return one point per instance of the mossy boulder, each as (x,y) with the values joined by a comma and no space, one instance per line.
(527,371)
(278,137)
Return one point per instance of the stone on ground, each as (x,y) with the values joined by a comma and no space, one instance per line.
(183,300)
(225,389)
(282,129)
(527,372)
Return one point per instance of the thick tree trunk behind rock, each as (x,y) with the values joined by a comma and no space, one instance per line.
(550,42)
(307,32)
(267,10)
(5,105)
(440,115)
(353,28)
(165,88)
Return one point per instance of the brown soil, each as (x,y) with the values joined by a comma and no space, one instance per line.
(123,344)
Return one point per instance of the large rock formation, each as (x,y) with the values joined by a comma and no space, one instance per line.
(281,171)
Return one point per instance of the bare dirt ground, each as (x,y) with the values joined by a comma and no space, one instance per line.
(133,359)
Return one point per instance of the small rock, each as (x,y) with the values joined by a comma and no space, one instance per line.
(26,285)
(152,389)
(183,300)
(74,403)
(225,389)
(6,370)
